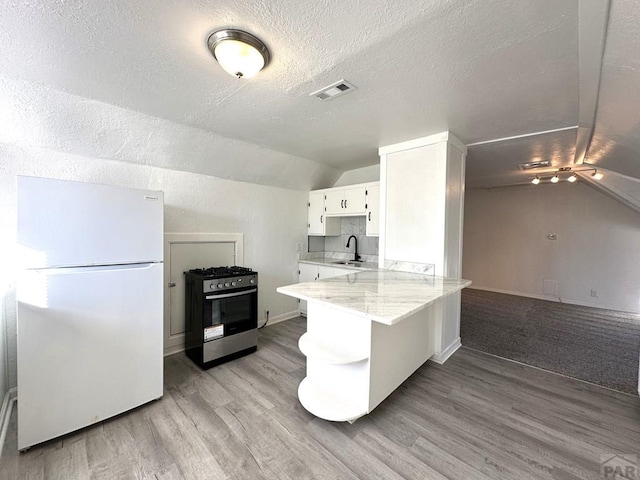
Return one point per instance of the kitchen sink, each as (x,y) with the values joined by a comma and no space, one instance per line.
(348,262)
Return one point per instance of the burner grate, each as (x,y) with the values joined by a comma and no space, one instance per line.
(221,272)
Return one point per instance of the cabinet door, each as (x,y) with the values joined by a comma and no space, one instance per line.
(328,272)
(325,272)
(334,202)
(373,210)
(354,201)
(316,213)
(307,272)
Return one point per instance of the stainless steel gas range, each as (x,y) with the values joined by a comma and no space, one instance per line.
(221,314)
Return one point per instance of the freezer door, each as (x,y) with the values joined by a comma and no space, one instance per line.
(62,223)
(89,346)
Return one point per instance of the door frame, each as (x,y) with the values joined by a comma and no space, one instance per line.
(175,343)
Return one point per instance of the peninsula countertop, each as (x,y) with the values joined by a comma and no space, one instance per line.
(385,296)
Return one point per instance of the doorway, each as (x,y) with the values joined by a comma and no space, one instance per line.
(184,251)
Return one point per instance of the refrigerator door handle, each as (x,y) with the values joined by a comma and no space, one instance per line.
(94,268)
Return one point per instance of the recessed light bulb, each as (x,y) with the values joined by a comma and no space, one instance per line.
(572,178)
(555,179)
(597,175)
(536,180)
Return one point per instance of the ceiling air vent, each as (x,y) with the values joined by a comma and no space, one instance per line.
(538,164)
(334,90)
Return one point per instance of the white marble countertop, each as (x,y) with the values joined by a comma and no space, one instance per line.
(384,296)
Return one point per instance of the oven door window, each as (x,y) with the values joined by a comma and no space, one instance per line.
(237,313)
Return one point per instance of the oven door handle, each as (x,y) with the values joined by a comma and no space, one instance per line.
(229,295)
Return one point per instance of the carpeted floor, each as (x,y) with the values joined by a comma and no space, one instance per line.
(593,344)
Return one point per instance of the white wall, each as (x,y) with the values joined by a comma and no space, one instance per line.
(359,175)
(273,220)
(597,248)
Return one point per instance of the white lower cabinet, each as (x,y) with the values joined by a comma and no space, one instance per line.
(308,272)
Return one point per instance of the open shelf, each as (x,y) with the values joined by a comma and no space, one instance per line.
(328,405)
(333,354)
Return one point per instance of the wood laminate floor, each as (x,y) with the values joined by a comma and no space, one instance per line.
(475,417)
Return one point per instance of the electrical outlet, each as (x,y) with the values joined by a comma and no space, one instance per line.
(594,293)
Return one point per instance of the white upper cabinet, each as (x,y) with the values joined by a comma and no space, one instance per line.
(317,223)
(345,201)
(328,205)
(372,194)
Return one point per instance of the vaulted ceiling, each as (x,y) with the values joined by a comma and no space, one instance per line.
(486,70)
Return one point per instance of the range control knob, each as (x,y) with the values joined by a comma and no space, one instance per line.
(219,285)
(233,284)
(252,281)
(239,280)
(226,284)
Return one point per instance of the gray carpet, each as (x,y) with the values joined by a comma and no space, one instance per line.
(593,344)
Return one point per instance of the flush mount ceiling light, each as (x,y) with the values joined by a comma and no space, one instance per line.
(555,179)
(536,180)
(239,53)
(572,178)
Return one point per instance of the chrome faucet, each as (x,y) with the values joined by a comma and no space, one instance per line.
(356,257)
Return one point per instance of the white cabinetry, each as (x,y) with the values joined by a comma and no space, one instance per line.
(345,201)
(308,272)
(318,223)
(372,205)
(328,205)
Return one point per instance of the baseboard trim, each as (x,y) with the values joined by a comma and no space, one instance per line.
(549,298)
(173,350)
(443,356)
(285,316)
(5,414)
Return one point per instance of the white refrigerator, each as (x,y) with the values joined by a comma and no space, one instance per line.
(90,304)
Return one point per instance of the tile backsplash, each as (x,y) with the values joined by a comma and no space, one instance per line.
(348,226)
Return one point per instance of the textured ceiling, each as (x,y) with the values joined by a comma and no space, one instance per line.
(483,69)
(616,139)
(495,164)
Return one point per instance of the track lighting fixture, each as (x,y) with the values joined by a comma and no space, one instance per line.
(572,178)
